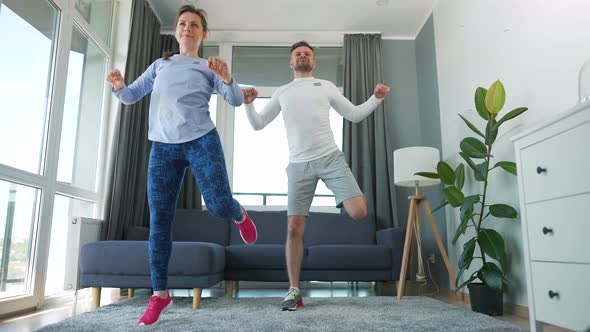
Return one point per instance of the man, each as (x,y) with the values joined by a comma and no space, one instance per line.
(313,154)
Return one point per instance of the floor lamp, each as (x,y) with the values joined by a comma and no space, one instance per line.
(407,162)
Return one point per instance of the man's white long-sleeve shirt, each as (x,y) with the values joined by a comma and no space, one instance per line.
(305,103)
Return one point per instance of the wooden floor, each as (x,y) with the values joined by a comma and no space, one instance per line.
(58,312)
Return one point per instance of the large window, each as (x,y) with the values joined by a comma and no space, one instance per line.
(52,113)
(26,64)
(261,157)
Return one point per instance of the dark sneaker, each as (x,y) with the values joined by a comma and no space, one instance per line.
(247,229)
(292,300)
(156,306)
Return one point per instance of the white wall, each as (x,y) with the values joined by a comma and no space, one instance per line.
(536,48)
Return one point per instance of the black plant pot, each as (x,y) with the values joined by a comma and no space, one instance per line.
(485,299)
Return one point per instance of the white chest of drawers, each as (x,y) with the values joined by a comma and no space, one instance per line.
(553,163)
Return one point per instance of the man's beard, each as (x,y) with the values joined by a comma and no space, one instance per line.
(304,67)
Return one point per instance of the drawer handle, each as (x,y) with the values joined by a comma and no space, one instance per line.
(541,170)
(547,230)
(553,294)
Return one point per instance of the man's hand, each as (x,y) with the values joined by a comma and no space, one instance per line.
(218,66)
(116,79)
(249,95)
(381,90)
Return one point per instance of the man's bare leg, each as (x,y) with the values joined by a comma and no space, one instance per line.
(356,207)
(294,248)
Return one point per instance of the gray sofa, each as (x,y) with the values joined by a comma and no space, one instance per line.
(207,250)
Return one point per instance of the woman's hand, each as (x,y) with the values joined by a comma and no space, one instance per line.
(116,79)
(218,66)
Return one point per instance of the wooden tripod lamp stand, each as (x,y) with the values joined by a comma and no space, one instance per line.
(407,162)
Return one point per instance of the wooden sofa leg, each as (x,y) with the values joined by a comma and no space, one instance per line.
(197,298)
(230,288)
(95,297)
(130,292)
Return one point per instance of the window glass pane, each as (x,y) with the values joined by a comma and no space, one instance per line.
(268,147)
(79,145)
(99,14)
(210,51)
(18,210)
(270,150)
(26,63)
(269,66)
(61,244)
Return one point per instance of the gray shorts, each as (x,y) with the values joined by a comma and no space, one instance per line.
(303,178)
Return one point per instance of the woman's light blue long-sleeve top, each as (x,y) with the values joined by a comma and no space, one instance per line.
(181,88)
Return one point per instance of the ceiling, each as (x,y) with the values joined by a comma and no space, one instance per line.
(394,19)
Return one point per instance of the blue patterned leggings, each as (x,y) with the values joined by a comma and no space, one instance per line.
(167,165)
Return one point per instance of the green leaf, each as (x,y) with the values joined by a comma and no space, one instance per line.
(460,176)
(473,147)
(469,162)
(454,196)
(468,204)
(446,173)
(442,204)
(491,242)
(471,126)
(510,115)
(428,175)
(467,255)
(492,276)
(508,166)
(503,211)
(473,277)
(482,171)
(491,134)
(480,106)
(495,97)
(463,226)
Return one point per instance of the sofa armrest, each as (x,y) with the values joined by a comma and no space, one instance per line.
(393,238)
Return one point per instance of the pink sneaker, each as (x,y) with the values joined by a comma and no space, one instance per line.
(156,306)
(247,229)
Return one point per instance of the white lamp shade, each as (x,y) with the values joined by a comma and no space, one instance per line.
(408,161)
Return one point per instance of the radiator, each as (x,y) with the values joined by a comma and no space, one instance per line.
(80,231)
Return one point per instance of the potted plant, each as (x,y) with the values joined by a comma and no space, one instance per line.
(482,243)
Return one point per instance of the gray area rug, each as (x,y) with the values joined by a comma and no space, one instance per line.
(375,313)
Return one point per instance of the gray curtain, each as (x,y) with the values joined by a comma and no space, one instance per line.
(170,44)
(367,145)
(126,202)
(190,194)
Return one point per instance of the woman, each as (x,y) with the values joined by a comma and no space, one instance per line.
(183,135)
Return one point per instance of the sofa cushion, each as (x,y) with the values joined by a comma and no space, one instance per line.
(199,226)
(271,227)
(132,258)
(333,228)
(347,257)
(258,256)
